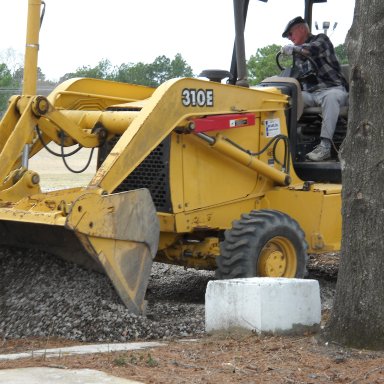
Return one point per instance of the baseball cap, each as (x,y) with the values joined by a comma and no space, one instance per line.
(296,20)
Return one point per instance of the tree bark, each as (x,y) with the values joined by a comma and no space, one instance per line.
(357,318)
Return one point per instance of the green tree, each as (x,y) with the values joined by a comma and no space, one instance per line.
(134,74)
(152,74)
(6,79)
(160,69)
(6,85)
(263,64)
(103,70)
(156,73)
(180,68)
(18,75)
(341,52)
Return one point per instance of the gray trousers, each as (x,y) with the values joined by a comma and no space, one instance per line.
(330,100)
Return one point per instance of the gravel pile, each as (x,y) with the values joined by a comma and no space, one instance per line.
(41,295)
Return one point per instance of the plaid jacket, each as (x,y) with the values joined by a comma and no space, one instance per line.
(328,71)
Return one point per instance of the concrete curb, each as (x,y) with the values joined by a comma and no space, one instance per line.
(80,350)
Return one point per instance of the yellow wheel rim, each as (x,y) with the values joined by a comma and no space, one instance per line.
(277,259)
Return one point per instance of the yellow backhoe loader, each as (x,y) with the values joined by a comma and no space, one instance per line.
(195,172)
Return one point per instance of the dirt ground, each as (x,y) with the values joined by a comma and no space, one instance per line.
(223,359)
(241,358)
(218,359)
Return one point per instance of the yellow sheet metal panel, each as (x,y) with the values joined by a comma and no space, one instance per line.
(318,213)
(215,217)
(211,178)
(166,222)
(331,222)
(328,189)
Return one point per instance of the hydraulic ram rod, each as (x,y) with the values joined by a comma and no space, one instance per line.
(223,146)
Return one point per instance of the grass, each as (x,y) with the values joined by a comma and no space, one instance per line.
(134,359)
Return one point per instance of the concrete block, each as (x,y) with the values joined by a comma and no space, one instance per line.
(263,305)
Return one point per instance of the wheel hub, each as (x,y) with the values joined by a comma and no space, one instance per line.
(274,263)
(277,259)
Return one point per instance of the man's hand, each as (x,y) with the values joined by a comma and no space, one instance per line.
(289,49)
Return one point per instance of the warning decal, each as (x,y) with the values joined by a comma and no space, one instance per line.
(272,127)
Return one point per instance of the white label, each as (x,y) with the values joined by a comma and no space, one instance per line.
(238,123)
(272,127)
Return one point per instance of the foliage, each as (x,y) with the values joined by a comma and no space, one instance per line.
(180,68)
(120,361)
(6,82)
(156,73)
(123,360)
(263,64)
(152,74)
(341,53)
(103,70)
(6,79)
(133,73)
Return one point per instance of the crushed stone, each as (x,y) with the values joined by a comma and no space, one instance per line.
(44,296)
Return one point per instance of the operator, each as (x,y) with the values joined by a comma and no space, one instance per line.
(324,86)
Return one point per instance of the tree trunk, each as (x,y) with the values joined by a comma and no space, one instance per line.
(357,319)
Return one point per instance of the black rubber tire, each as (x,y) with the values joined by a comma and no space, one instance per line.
(263,243)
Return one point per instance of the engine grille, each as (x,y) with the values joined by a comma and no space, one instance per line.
(152,173)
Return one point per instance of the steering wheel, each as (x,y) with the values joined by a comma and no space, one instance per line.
(293,70)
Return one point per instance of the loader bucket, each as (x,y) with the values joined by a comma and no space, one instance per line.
(116,234)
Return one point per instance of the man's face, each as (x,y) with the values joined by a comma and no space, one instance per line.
(298,34)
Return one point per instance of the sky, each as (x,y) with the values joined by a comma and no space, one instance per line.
(78,33)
